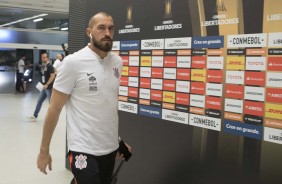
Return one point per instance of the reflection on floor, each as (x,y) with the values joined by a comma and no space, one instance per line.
(20,140)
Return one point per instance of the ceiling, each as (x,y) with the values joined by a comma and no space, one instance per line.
(14,10)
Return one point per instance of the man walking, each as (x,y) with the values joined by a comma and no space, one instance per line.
(47,79)
(87,84)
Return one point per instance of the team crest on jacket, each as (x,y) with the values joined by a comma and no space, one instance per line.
(81,162)
(116,72)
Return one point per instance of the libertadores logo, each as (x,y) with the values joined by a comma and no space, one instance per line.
(220,6)
(168,14)
(129,15)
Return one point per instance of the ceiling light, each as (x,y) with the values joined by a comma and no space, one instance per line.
(50,28)
(25,19)
(38,20)
(64,28)
(4,34)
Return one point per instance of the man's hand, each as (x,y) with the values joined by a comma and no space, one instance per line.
(122,149)
(45,86)
(44,160)
(129,147)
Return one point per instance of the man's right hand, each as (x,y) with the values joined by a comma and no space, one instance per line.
(44,160)
(124,151)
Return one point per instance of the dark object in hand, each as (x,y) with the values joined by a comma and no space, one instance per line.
(124,150)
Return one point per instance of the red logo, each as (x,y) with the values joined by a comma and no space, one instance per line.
(274,95)
(199,62)
(213,103)
(156,95)
(254,108)
(133,71)
(274,111)
(198,88)
(274,64)
(183,74)
(157,73)
(182,98)
(145,82)
(214,76)
(236,63)
(123,81)
(255,78)
(133,92)
(169,85)
(170,61)
(125,60)
(234,91)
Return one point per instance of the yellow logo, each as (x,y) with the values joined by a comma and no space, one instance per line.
(273,111)
(124,71)
(168,14)
(220,6)
(146,61)
(129,15)
(198,75)
(235,63)
(169,97)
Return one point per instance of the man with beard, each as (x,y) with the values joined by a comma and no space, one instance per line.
(47,80)
(87,83)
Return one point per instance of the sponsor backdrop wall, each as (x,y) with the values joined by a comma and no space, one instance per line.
(200,98)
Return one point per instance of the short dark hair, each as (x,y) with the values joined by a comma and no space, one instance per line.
(90,23)
(45,53)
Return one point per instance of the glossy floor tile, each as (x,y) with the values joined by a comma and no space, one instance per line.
(20,140)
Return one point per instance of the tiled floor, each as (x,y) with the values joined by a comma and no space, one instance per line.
(20,140)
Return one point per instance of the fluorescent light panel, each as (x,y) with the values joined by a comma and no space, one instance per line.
(22,20)
(38,20)
(51,28)
(64,28)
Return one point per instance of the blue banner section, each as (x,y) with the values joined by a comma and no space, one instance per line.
(247,130)
(130,45)
(150,111)
(208,42)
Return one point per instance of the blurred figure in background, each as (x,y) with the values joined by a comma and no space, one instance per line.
(57,62)
(20,73)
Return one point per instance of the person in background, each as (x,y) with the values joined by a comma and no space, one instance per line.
(65,47)
(57,62)
(20,74)
(47,79)
(87,84)
(63,56)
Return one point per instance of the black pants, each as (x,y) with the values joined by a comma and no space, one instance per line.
(19,82)
(90,169)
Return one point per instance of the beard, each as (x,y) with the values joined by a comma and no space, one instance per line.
(106,47)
